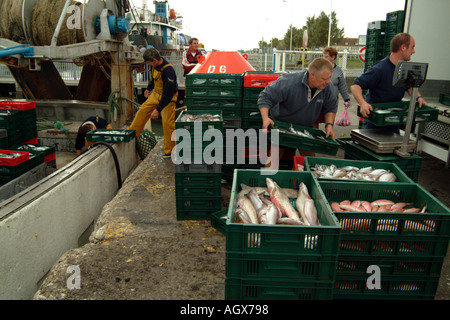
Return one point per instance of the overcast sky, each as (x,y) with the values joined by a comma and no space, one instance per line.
(230,25)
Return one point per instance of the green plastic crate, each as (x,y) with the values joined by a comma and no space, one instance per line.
(213,92)
(414,162)
(9,120)
(199,208)
(310,163)
(387,233)
(217,103)
(218,221)
(444,99)
(111,135)
(328,146)
(251,289)
(228,80)
(280,266)
(389,266)
(424,114)
(392,288)
(270,239)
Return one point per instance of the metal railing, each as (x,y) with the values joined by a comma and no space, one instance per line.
(289,61)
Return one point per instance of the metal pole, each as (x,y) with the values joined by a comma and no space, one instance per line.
(329,29)
(60,22)
(403,151)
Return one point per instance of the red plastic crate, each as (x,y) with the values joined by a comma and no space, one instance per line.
(259,80)
(17,105)
(32,141)
(50,157)
(11,162)
(298,160)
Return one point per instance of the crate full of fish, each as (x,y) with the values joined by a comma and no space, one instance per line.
(396,113)
(305,138)
(410,166)
(111,135)
(203,119)
(354,170)
(280,211)
(388,219)
(12,158)
(229,80)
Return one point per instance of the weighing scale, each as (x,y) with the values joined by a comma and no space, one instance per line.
(380,141)
(410,75)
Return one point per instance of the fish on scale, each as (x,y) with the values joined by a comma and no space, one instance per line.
(380,205)
(353,173)
(253,207)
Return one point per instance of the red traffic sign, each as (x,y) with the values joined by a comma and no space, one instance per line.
(360,56)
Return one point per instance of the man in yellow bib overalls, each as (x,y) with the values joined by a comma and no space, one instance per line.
(162,95)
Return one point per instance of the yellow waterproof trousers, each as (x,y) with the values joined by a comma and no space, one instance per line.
(167,114)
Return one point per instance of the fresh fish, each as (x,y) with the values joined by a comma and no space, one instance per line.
(349,207)
(245,204)
(401,205)
(255,199)
(200,117)
(350,168)
(424,209)
(336,207)
(345,202)
(353,173)
(310,213)
(291,193)
(281,200)
(377,172)
(289,221)
(272,214)
(388,177)
(382,202)
(242,217)
(303,195)
(356,203)
(367,206)
(412,210)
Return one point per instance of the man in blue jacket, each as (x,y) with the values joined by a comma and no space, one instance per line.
(378,79)
(300,98)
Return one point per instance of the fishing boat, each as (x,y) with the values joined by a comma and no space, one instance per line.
(161,29)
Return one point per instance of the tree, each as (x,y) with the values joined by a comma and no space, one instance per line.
(317,33)
(318,29)
(297,37)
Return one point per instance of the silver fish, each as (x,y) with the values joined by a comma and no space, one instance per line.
(310,213)
(289,221)
(291,193)
(281,200)
(242,217)
(255,199)
(245,204)
(303,195)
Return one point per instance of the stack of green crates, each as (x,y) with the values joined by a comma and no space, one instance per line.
(287,262)
(394,25)
(374,43)
(406,250)
(10,126)
(198,188)
(215,91)
(379,36)
(27,114)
